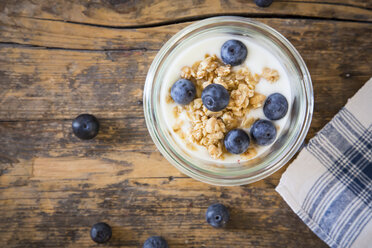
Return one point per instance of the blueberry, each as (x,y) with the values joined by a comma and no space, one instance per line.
(100,232)
(217,215)
(215,97)
(263,3)
(155,242)
(275,107)
(263,132)
(236,141)
(233,52)
(183,91)
(85,126)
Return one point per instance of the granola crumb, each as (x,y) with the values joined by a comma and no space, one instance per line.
(186,72)
(257,100)
(250,153)
(248,122)
(215,150)
(191,146)
(175,112)
(169,99)
(270,75)
(223,71)
(277,127)
(177,126)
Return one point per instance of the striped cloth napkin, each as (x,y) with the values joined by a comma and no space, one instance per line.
(329,184)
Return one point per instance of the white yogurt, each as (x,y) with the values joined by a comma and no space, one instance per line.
(257,58)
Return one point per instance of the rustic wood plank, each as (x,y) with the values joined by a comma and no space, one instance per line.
(55,201)
(53,34)
(127,13)
(59,84)
(42,84)
(64,35)
(362,4)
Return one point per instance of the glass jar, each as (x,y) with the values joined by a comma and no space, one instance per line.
(291,137)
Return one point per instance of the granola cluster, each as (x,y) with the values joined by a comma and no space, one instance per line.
(208,128)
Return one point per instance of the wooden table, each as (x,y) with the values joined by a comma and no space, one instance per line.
(59,59)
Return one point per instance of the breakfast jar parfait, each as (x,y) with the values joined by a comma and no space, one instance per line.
(228,100)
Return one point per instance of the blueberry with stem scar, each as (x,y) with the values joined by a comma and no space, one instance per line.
(217,215)
(101,232)
(263,132)
(275,107)
(183,91)
(215,97)
(233,52)
(85,126)
(236,141)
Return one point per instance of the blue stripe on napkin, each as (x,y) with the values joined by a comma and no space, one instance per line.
(339,204)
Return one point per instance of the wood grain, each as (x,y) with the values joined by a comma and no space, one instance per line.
(95,79)
(127,13)
(53,66)
(57,200)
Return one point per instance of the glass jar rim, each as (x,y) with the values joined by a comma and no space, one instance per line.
(150,115)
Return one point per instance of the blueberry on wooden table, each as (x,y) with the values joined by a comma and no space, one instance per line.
(85,126)
(263,3)
(233,52)
(155,242)
(183,91)
(101,232)
(263,132)
(236,141)
(275,107)
(215,97)
(217,215)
